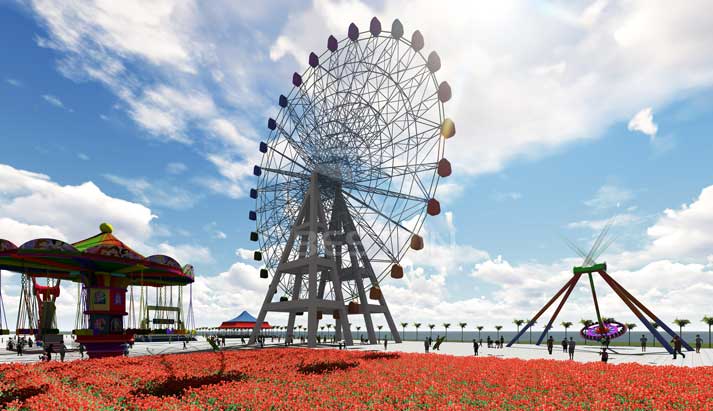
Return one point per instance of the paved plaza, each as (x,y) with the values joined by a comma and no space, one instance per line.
(583,353)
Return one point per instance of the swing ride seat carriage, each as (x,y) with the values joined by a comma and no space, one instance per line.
(348,173)
(105,267)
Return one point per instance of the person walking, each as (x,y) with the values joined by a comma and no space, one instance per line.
(605,355)
(550,344)
(564,345)
(502,341)
(19,348)
(571,344)
(699,343)
(386,343)
(426,345)
(677,347)
(475,347)
(643,340)
(81,350)
(62,352)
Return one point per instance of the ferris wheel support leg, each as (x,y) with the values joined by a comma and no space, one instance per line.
(312,321)
(263,310)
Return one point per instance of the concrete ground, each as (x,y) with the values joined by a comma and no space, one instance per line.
(584,353)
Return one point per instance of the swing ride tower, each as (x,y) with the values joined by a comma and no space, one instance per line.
(105,267)
(603,328)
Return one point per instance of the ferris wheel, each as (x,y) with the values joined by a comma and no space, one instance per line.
(363,126)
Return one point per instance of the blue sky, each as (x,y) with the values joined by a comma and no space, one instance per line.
(163,107)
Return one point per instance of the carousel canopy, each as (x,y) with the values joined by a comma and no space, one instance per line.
(244,320)
(102,253)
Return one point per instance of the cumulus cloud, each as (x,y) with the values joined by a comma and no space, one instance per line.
(643,121)
(33,199)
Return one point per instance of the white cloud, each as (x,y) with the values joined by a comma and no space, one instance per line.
(20,233)
(598,225)
(643,121)
(132,28)
(13,82)
(609,196)
(221,297)
(245,254)
(176,168)
(55,101)
(82,156)
(162,194)
(220,235)
(34,200)
(186,254)
(685,232)
(511,195)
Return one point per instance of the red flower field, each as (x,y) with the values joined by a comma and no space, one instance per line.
(301,379)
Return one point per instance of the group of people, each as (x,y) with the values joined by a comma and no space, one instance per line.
(18,345)
(49,349)
(496,343)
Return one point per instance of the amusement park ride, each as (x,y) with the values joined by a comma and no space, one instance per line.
(350,169)
(104,267)
(603,328)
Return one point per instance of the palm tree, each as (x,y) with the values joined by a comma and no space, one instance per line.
(585,324)
(518,323)
(656,327)
(566,324)
(531,323)
(709,322)
(446,325)
(462,326)
(681,323)
(329,329)
(403,328)
(379,327)
(498,328)
(480,328)
(431,327)
(417,325)
(630,326)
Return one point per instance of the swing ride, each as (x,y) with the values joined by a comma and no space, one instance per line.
(604,328)
(104,267)
(349,172)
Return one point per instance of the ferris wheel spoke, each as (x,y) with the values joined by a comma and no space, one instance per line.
(383,192)
(376,211)
(368,230)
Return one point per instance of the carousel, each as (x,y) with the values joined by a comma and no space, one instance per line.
(105,268)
